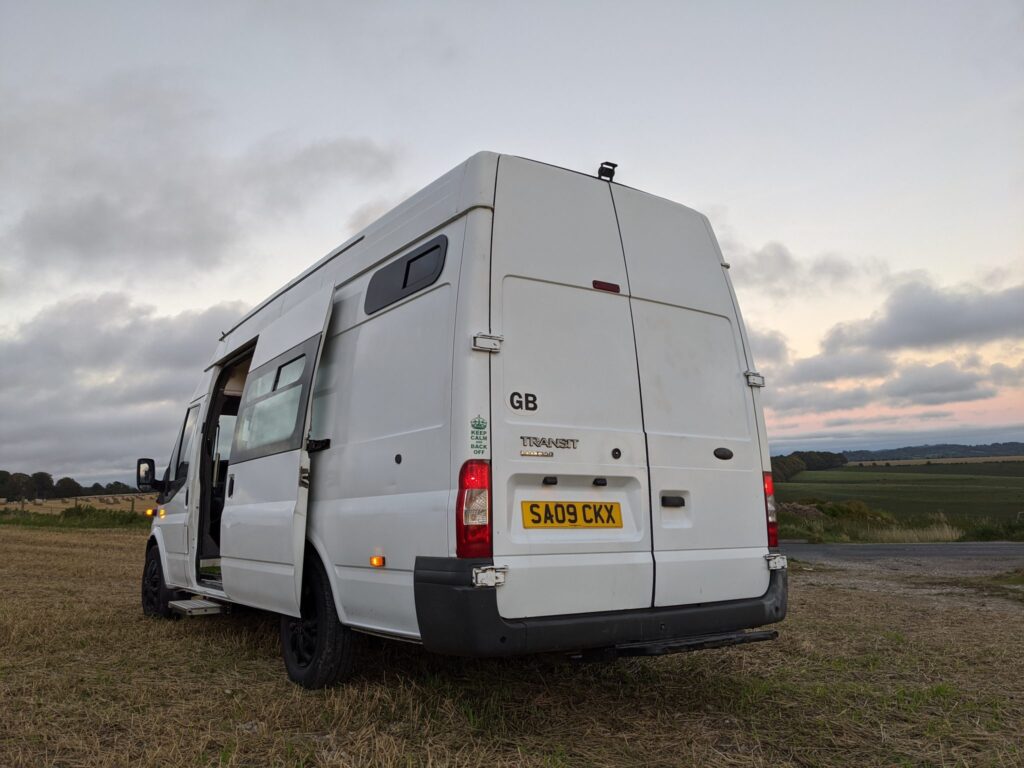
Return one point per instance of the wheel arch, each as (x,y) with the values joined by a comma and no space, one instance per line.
(156,539)
(315,547)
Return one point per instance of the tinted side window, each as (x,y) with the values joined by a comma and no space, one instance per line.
(177,465)
(272,413)
(188,436)
(413,272)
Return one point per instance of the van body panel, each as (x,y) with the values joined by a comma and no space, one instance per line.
(692,364)
(382,487)
(471,369)
(566,372)
(584,582)
(263,526)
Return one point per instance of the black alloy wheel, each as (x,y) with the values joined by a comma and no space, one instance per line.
(156,596)
(316,646)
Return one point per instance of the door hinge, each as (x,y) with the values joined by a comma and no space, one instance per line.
(486,342)
(776,562)
(312,445)
(754,379)
(489,576)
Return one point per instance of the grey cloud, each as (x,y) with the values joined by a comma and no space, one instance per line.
(833,269)
(849,421)
(92,383)
(770,265)
(768,346)
(819,399)
(775,270)
(912,385)
(129,175)
(369,212)
(1008,376)
(920,315)
(846,422)
(935,385)
(833,366)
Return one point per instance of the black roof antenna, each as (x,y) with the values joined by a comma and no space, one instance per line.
(607,171)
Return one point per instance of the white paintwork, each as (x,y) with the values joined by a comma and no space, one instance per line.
(263,527)
(655,371)
(572,347)
(696,399)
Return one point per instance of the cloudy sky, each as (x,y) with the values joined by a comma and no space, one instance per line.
(165,166)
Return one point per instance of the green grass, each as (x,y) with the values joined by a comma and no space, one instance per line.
(917,495)
(75,517)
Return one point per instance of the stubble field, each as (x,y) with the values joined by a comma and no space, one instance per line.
(872,668)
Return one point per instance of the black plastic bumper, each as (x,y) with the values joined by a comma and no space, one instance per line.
(459,619)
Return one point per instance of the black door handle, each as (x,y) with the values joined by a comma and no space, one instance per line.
(231,485)
(673,501)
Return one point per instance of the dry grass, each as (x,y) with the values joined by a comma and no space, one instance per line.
(936,532)
(859,677)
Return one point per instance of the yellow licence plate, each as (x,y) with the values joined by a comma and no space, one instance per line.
(572,514)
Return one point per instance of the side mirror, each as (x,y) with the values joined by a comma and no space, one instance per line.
(145,476)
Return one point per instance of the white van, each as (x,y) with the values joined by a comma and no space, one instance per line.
(517,414)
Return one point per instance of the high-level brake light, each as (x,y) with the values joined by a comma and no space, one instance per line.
(473,510)
(769,510)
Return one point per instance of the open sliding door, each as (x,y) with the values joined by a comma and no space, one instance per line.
(263,528)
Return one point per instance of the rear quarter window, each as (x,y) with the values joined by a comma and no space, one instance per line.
(407,275)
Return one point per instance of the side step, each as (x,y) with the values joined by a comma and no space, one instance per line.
(680,645)
(197,607)
(700,643)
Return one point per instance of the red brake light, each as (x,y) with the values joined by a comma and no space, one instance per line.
(769,510)
(473,510)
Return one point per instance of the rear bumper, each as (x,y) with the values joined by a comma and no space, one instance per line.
(459,619)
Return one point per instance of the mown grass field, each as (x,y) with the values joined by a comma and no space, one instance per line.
(966,495)
(859,677)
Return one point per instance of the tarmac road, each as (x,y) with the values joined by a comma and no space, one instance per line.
(1010,553)
(957,549)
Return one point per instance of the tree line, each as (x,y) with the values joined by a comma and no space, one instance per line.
(785,468)
(15,486)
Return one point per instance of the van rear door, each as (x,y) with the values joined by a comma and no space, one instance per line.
(569,470)
(708,511)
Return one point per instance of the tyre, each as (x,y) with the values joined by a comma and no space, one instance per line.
(156,596)
(317,647)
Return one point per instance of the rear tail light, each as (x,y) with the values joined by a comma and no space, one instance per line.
(769,510)
(473,510)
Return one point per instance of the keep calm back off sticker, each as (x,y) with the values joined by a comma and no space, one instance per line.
(478,436)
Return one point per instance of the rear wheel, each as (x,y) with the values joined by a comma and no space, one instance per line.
(156,596)
(317,647)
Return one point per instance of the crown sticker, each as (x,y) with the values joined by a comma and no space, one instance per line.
(479,423)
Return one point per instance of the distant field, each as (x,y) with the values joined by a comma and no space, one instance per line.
(964,494)
(917,462)
(122,502)
(961,467)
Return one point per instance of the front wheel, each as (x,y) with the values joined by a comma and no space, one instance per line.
(156,596)
(317,647)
